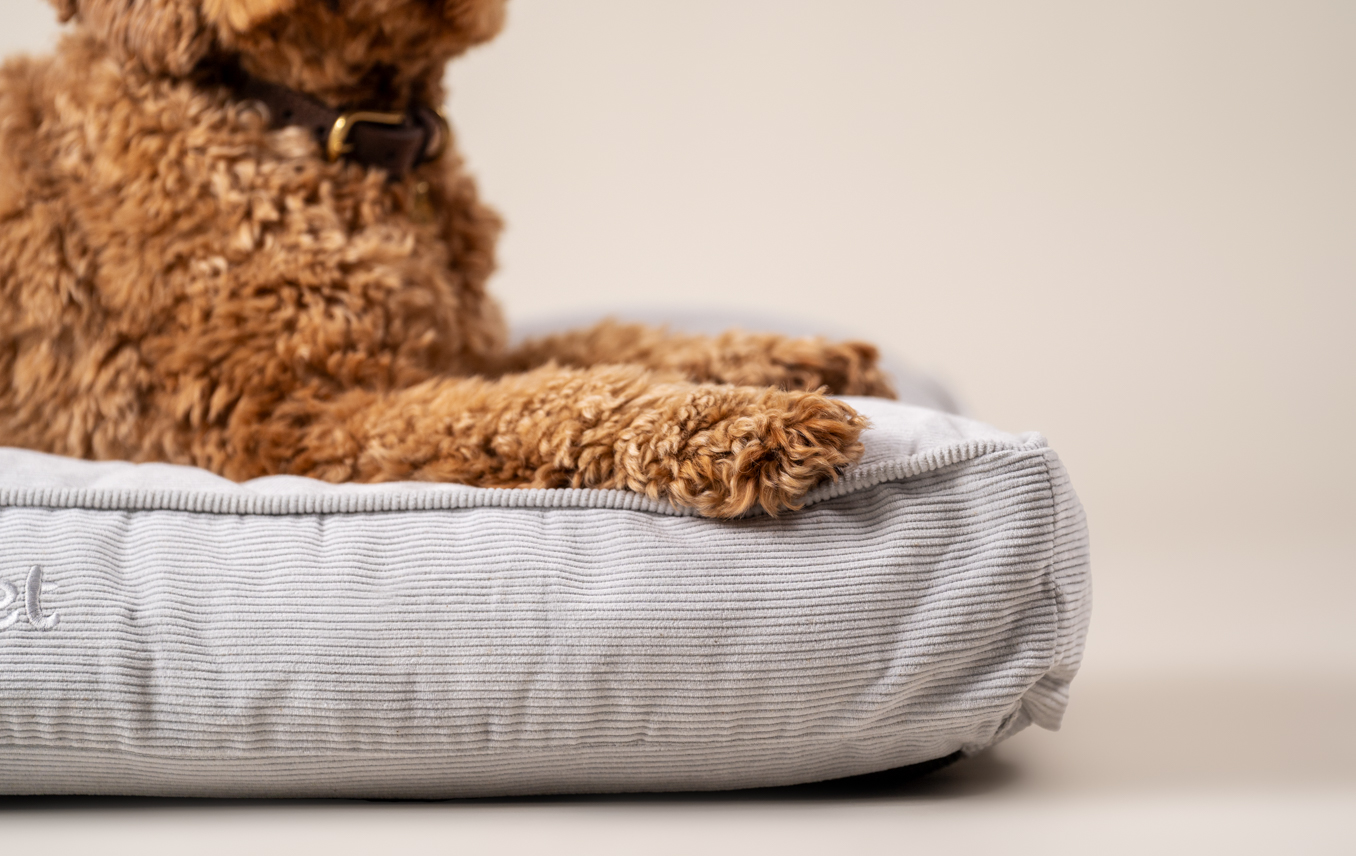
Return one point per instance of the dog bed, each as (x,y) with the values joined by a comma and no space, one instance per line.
(166,632)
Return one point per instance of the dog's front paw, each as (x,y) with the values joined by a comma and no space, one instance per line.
(724,450)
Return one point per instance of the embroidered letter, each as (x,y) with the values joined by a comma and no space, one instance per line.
(33,602)
(31,608)
(8,594)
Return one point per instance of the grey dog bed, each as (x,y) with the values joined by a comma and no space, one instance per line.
(167,632)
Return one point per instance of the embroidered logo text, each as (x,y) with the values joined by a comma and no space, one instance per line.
(12,609)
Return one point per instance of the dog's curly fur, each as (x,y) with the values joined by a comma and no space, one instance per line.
(180,283)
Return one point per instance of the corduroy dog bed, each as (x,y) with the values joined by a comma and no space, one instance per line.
(163,631)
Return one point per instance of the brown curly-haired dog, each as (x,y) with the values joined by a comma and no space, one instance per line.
(186,278)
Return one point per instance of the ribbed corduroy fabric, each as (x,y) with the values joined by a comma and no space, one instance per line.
(165,632)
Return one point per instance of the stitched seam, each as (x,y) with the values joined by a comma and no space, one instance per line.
(464,497)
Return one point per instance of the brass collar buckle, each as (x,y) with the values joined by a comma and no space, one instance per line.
(438,132)
(337,145)
(395,142)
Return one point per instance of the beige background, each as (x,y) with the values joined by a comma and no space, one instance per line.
(1131,226)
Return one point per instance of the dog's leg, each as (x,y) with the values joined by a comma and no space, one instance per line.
(735,357)
(718,449)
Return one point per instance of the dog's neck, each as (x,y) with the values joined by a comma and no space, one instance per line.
(340,64)
(394,141)
(377,87)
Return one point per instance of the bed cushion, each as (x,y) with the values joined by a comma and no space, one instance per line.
(166,632)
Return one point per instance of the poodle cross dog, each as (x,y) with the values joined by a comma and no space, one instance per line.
(236,234)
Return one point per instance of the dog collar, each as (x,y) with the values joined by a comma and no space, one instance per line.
(395,142)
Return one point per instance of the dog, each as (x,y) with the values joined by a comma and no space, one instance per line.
(237,235)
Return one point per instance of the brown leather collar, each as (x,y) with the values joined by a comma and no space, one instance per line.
(395,142)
